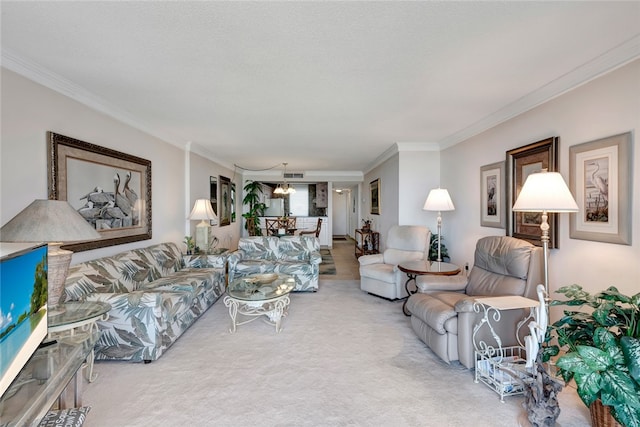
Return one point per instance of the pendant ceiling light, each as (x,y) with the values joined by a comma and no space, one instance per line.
(284,188)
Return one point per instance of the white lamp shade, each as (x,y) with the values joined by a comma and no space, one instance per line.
(48,221)
(202,210)
(438,200)
(545,191)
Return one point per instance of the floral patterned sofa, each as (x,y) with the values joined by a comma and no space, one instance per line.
(154,298)
(298,256)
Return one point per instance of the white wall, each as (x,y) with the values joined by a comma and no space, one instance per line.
(29,110)
(200,171)
(606,106)
(419,173)
(388,173)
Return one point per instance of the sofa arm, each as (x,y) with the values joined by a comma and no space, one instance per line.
(371,259)
(235,257)
(315,258)
(430,282)
(465,305)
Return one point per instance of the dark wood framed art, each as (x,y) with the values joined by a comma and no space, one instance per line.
(520,163)
(110,189)
(374,190)
(224,216)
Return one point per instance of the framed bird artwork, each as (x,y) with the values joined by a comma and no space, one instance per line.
(600,179)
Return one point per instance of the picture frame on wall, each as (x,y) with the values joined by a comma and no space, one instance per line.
(492,213)
(374,191)
(110,189)
(520,163)
(600,179)
(225,201)
(213,197)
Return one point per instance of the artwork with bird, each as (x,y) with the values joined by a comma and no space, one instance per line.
(597,190)
(108,210)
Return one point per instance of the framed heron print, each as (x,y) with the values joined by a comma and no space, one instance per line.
(600,179)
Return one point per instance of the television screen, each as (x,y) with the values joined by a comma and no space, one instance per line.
(23,306)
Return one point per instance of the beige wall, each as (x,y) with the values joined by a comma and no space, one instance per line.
(29,110)
(606,106)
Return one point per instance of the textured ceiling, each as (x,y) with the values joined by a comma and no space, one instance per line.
(321,85)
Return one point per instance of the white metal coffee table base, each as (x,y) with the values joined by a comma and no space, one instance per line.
(275,309)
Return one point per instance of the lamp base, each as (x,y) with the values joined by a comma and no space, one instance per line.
(202,236)
(58,268)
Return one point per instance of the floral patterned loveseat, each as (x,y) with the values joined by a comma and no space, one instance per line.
(298,256)
(154,298)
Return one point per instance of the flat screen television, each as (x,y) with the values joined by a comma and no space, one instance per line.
(23,306)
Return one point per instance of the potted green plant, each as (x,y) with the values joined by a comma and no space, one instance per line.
(602,350)
(253,190)
(433,249)
(190,244)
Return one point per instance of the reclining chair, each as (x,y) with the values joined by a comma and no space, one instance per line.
(379,274)
(442,313)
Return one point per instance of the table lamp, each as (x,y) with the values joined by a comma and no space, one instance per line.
(203,211)
(545,192)
(54,222)
(439,200)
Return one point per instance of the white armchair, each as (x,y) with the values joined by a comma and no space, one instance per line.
(379,274)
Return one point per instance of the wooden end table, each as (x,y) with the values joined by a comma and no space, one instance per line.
(417,268)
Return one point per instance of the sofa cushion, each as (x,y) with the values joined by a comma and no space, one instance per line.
(259,248)
(486,283)
(503,255)
(294,255)
(396,256)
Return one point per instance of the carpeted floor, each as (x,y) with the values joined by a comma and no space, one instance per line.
(344,358)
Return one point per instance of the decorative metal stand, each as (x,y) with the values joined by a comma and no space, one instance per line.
(495,364)
(274,309)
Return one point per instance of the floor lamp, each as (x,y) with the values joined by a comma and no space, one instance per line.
(545,192)
(203,211)
(54,222)
(438,200)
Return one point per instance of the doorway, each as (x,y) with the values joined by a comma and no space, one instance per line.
(340,213)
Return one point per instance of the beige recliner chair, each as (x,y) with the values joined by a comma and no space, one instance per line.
(442,313)
(379,274)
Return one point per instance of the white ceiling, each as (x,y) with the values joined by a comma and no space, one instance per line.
(326,86)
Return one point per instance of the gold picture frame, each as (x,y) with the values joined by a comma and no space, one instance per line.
(110,189)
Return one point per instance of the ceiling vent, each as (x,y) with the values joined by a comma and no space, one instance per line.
(294,175)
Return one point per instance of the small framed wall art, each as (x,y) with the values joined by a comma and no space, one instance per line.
(600,179)
(374,189)
(492,195)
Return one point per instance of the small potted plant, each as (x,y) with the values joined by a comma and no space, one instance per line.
(602,351)
(190,244)
(366,224)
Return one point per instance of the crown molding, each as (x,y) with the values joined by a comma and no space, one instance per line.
(55,82)
(609,61)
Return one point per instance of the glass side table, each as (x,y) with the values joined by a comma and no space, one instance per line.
(73,321)
(51,372)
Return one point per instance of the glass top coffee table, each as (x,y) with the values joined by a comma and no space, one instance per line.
(259,295)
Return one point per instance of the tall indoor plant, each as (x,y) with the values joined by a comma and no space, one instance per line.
(602,349)
(252,193)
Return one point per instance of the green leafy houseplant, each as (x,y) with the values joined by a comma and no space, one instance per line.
(603,349)
(433,249)
(253,190)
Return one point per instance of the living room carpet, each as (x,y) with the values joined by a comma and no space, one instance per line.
(327,266)
(344,358)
